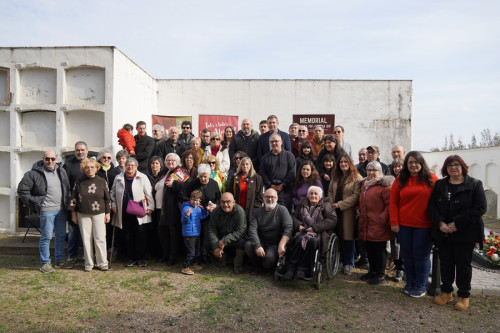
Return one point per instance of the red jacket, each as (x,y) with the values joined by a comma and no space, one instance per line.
(126,140)
(374,223)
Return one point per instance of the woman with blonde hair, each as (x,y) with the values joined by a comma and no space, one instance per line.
(91,208)
(221,152)
(215,172)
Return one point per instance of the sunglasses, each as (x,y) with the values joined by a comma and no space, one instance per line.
(302,131)
(186,128)
(215,139)
(212,162)
(106,158)
(48,159)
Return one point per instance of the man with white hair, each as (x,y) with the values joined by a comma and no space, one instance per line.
(172,145)
(158,136)
(246,140)
(268,232)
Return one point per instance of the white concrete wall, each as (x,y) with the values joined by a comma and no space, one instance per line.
(484,164)
(372,112)
(134,96)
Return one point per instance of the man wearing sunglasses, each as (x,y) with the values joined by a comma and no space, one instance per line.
(46,188)
(186,135)
(302,134)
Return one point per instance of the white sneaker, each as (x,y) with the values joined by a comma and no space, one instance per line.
(347,269)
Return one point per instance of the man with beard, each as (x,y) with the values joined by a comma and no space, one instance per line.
(144,146)
(268,232)
(246,140)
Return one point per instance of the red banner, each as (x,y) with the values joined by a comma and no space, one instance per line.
(216,123)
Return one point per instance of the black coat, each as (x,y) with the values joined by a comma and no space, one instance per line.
(143,149)
(250,146)
(465,208)
(167,147)
(109,175)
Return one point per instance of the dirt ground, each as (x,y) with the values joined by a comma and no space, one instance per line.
(158,299)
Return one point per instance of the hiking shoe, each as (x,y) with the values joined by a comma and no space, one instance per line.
(399,276)
(347,269)
(88,269)
(142,263)
(47,268)
(104,268)
(417,293)
(196,267)
(377,280)
(367,277)
(64,265)
(187,271)
(71,260)
(406,289)
(130,263)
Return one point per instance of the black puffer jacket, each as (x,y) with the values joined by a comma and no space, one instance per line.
(33,187)
(466,208)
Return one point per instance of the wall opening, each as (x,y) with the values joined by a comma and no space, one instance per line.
(85,85)
(84,125)
(5,167)
(4,212)
(38,128)
(38,86)
(4,86)
(4,128)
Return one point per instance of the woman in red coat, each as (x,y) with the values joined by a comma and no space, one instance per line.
(374,225)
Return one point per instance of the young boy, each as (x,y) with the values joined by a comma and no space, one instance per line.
(126,138)
(192,213)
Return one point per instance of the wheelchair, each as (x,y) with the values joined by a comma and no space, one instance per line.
(330,263)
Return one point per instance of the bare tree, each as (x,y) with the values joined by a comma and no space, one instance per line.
(451,145)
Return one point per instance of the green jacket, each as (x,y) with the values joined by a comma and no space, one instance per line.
(229,227)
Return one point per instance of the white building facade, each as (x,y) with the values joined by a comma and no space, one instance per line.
(51,97)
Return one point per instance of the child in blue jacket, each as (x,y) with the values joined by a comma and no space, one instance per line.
(192,214)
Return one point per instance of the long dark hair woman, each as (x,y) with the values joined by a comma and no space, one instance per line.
(331,147)
(305,178)
(344,193)
(410,195)
(247,187)
(156,174)
(456,207)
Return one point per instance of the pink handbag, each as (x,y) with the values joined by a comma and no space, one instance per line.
(136,208)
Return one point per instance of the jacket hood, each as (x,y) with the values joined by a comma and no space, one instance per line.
(387,180)
(38,166)
(187,203)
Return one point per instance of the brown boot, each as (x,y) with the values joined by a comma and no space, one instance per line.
(462,304)
(443,298)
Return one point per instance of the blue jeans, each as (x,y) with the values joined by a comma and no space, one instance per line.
(347,257)
(416,245)
(52,222)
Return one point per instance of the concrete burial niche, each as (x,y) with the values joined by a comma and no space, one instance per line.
(4,128)
(26,161)
(37,86)
(37,128)
(4,86)
(84,125)
(4,211)
(85,85)
(5,167)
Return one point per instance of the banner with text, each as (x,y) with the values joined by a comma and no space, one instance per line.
(216,123)
(325,120)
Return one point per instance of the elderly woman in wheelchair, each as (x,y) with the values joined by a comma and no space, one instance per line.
(314,220)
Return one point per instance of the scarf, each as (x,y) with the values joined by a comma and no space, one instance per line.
(105,168)
(214,150)
(370,183)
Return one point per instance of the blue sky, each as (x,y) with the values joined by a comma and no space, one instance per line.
(450,49)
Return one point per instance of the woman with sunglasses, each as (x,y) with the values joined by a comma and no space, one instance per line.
(215,172)
(220,152)
(236,162)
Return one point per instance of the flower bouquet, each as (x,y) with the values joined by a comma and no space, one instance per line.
(491,248)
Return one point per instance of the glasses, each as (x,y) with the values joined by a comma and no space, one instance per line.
(206,136)
(237,158)
(105,157)
(371,170)
(156,131)
(275,141)
(186,127)
(49,159)
(226,202)
(212,162)
(302,131)
(171,161)
(454,165)
(215,139)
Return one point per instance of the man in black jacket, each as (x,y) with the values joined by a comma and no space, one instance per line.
(246,140)
(46,187)
(265,139)
(172,145)
(144,146)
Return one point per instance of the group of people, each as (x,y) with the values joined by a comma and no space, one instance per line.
(264,195)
